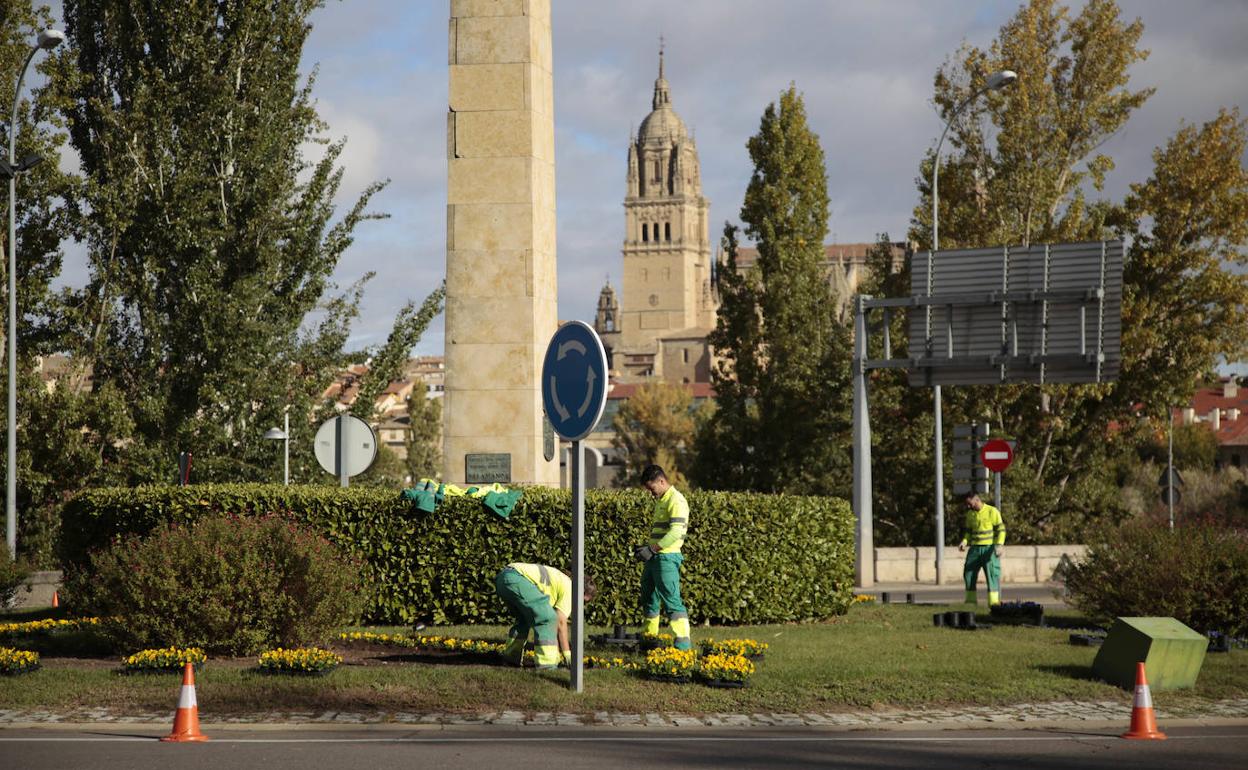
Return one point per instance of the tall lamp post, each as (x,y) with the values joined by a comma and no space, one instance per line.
(995,82)
(47,40)
(277,434)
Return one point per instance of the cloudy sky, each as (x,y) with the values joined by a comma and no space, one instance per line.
(865,69)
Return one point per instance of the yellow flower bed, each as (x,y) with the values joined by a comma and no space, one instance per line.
(863,598)
(45,626)
(304,660)
(451,644)
(669,662)
(725,668)
(593,661)
(163,659)
(745,647)
(13,661)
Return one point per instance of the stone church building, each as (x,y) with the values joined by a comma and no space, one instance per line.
(657,327)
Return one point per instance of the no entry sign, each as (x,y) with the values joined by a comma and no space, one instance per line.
(997,455)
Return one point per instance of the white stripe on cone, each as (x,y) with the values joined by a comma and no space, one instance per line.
(1143,699)
(187,699)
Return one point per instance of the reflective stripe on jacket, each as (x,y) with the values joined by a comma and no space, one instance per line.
(670,521)
(550,581)
(984,527)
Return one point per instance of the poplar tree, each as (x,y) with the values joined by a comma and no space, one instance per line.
(784,371)
(211,232)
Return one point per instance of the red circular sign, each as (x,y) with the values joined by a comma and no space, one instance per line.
(997,455)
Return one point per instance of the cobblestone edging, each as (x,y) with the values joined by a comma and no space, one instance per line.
(1066,711)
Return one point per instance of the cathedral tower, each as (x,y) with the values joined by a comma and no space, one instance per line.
(667,252)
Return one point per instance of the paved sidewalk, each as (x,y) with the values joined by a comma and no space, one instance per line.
(1027,715)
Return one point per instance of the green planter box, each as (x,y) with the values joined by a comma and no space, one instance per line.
(1172,653)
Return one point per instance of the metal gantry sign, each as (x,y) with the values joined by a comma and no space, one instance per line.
(574,393)
(1042,313)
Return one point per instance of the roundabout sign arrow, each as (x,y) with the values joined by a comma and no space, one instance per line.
(574,380)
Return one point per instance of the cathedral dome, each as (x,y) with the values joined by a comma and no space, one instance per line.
(662,126)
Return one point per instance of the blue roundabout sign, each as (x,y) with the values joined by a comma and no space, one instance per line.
(574,380)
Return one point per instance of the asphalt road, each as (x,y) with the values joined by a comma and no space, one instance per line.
(278,748)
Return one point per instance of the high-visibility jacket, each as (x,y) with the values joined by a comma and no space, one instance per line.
(983,527)
(550,581)
(670,521)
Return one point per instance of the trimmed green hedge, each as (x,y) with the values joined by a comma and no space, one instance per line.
(748,558)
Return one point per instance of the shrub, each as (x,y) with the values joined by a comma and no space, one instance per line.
(227,585)
(1197,573)
(749,558)
(12,575)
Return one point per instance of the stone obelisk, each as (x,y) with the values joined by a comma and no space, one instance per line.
(500,241)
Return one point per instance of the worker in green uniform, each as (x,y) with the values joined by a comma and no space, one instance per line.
(540,598)
(984,531)
(660,577)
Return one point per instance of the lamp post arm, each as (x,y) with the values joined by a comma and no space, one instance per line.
(936,165)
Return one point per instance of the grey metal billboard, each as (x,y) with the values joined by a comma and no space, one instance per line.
(1040,313)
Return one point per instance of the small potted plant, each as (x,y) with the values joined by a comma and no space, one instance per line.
(163,660)
(306,661)
(725,670)
(649,642)
(14,662)
(668,664)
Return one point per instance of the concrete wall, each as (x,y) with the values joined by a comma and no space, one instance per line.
(38,589)
(1019,563)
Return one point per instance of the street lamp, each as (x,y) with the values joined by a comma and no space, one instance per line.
(277,434)
(47,40)
(995,82)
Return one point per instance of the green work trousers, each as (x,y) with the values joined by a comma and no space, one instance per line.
(532,612)
(660,588)
(982,557)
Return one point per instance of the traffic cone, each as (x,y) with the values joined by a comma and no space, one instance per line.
(1143,721)
(186,720)
(56,598)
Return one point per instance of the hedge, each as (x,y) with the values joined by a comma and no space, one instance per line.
(749,558)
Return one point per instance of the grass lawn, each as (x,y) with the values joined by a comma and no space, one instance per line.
(876,657)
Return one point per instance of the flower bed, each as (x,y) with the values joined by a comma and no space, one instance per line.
(14,662)
(669,664)
(46,626)
(304,660)
(748,648)
(593,661)
(166,659)
(656,642)
(725,670)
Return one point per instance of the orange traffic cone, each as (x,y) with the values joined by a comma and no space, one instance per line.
(186,720)
(56,598)
(1143,722)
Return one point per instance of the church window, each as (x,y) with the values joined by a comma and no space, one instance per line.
(685,354)
(667,231)
(658,171)
(609,322)
(645,232)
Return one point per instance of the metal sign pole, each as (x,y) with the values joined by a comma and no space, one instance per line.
(996,489)
(938,443)
(1170,470)
(576,666)
(340,451)
(864,551)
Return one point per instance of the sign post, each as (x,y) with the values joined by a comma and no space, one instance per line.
(574,393)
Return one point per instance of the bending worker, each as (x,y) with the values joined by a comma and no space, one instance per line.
(985,532)
(660,577)
(540,598)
